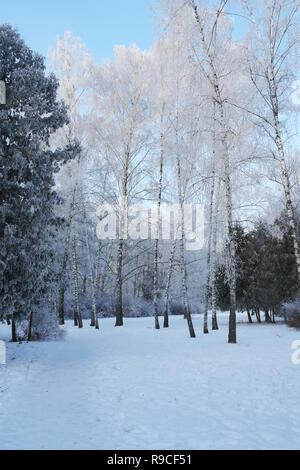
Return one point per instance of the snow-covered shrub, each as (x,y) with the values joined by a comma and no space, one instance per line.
(44,326)
(138,307)
(133,307)
(105,303)
(291,313)
(22,330)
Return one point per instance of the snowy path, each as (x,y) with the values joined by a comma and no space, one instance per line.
(136,388)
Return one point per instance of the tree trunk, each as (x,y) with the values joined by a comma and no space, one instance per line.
(212,233)
(155,285)
(135,279)
(288,197)
(75,282)
(267,316)
(257,313)
(98,282)
(273,59)
(215,83)
(157,222)
(94,319)
(119,286)
(77,314)
(209,252)
(207,295)
(279,144)
(249,316)
(215,325)
(30,327)
(182,233)
(97,267)
(232,339)
(184,290)
(84,285)
(61,307)
(122,236)
(168,284)
(13,331)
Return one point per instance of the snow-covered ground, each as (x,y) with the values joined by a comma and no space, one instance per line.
(137,388)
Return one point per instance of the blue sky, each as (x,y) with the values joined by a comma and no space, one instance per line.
(100,23)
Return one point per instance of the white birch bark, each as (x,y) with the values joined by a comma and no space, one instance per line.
(209,253)
(214,258)
(168,284)
(94,316)
(122,229)
(62,289)
(157,221)
(75,284)
(97,267)
(214,80)
(182,234)
(279,142)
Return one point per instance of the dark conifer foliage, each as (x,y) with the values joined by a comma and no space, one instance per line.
(28,223)
(266,272)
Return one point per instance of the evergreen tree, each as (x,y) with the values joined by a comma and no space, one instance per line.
(266,272)
(27,168)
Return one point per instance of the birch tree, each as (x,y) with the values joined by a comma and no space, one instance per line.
(275,39)
(207,59)
(121,121)
(73,64)
(183,125)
